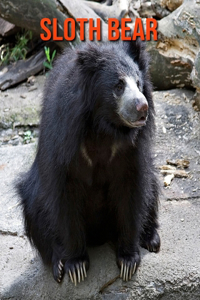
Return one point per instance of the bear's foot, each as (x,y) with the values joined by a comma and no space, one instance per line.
(151,241)
(128,265)
(58,271)
(77,269)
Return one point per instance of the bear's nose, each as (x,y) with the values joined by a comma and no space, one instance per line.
(141,105)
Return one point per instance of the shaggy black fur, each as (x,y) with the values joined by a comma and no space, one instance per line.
(93,177)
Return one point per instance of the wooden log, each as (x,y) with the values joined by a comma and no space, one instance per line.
(174,54)
(28,14)
(119,9)
(22,69)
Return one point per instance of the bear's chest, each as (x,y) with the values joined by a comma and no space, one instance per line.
(94,165)
(96,155)
(96,162)
(99,150)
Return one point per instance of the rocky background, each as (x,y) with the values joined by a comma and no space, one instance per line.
(175,54)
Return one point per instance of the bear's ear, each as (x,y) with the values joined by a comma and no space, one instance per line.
(137,51)
(89,58)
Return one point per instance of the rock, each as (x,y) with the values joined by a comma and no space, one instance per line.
(195,76)
(7,28)
(183,22)
(162,8)
(176,52)
(14,141)
(168,179)
(159,8)
(197,99)
(117,9)
(145,10)
(171,63)
(173,4)
(16,111)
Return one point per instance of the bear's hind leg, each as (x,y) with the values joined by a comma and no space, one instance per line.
(150,239)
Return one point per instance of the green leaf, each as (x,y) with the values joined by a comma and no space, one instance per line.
(47,50)
(48,55)
(53,55)
(47,65)
(27,133)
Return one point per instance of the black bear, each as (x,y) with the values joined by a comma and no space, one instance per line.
(93,177)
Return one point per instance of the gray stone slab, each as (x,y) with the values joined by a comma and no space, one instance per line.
(13,161)
(20,106)
(172,274)
(178,136)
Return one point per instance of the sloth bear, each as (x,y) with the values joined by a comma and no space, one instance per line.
(93,178)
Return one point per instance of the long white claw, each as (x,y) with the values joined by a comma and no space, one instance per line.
(84,270)
(74,276)
(124,276)
(127,270)
(130,273)
(70,275)
(134,268)
(82,276)
(78,271)
(122,269)
(61,264)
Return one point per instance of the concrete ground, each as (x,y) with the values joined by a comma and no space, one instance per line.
(172,274)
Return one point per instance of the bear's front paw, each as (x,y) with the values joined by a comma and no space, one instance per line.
(128,263)
(151,241)
(77,268)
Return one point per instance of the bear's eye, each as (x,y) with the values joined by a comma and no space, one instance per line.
(138,83)
(119,88)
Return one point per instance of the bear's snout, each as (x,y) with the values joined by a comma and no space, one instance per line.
(142,109)
(142,105)
(134,112)
(133,105)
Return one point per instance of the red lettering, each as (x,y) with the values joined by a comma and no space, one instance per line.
(82,27)
(150,29)
(55,31)
(124,29)
(46,29)
(138,25)
(67,23)
(113,28)
(97,29)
